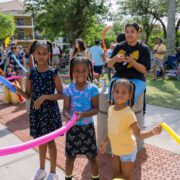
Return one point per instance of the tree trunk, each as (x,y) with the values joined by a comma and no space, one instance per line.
(163,26)
(177,25)
(171,27)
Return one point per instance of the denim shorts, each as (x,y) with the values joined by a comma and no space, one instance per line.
(129,157)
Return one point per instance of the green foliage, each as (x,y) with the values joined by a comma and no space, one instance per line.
(156,32)
(178,39)
(7,26)
(147,10)
(70,18)
(118,26)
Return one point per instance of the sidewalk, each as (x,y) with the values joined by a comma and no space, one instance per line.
(155,115)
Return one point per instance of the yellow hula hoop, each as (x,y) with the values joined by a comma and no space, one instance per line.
(171,132)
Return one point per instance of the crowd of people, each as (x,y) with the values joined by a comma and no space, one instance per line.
(128,58)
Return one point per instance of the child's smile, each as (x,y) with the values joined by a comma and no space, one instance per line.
(121,94)
(80,73)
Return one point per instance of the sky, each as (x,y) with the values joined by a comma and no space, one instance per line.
(4,0)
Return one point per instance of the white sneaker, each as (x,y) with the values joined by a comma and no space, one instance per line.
(40,174)
(52,176)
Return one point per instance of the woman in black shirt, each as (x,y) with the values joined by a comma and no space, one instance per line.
(131,60)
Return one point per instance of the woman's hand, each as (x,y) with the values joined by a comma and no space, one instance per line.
(129,59)
(38,102)
(119,58)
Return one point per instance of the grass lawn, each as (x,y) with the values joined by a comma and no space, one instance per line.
(165,93)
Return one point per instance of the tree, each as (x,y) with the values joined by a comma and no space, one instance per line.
(171,27)
(70,18)
(7,26)
(151,9)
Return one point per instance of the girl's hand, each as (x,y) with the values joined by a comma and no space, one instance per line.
(38,102)
(67,117)
(102,148)
(80,115)
(157,130)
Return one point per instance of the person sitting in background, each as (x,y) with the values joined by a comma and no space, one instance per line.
(8,96)
(131,60)
(17,68)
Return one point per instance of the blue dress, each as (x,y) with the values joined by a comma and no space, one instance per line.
(46,119)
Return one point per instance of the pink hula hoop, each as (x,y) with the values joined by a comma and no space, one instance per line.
(41,140)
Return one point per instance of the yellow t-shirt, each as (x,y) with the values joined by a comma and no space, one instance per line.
(159,48)
(120,134)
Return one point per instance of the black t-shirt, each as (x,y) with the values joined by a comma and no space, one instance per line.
(140,53)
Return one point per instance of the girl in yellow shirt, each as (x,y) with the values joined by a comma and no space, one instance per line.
(122,130)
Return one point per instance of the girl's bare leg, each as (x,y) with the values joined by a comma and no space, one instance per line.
(42,155)
(94,166)
(53,155)
(127,170)
(116,166)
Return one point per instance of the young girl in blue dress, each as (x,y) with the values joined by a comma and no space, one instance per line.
(82,97)
(41,83)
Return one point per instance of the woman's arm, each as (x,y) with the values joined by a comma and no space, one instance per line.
(24,61)
(115,59)
(139,67)
(71,55)
(31,61)
(145,134)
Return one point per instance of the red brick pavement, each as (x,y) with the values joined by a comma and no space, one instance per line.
(152,163)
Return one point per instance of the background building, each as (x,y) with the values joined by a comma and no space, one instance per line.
(24,26)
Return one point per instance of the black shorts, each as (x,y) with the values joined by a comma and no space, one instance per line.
(81,140)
